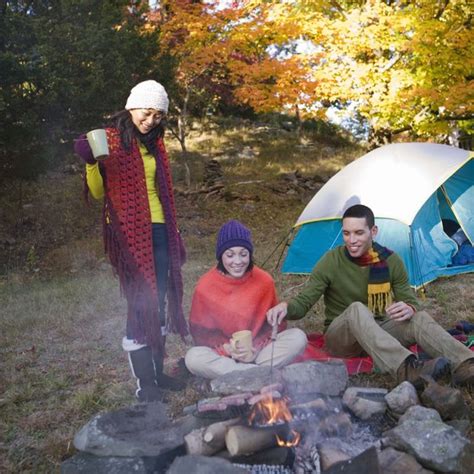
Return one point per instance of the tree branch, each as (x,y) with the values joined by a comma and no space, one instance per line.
(441,9)
(457,118)
(338,7)
(444,118)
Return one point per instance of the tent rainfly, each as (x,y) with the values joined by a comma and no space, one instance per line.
(413,188)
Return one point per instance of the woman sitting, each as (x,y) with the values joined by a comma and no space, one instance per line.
(234,296)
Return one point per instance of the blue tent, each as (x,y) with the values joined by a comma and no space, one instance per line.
(414,189)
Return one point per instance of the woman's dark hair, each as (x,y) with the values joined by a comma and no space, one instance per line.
(221,268)
(122,121)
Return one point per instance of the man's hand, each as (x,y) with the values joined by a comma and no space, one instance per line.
(276,314)
(400,311)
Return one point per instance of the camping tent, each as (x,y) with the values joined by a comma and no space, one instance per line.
(411,187)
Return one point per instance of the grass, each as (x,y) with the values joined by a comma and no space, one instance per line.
(62,314)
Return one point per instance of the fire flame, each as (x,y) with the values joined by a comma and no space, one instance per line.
(270,411)
(291,440)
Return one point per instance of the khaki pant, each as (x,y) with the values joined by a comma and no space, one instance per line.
(355,332)
(206,362)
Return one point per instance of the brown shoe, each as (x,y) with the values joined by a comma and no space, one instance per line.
(418,372)
(464,374)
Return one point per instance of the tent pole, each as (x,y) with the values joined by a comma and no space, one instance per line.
(283,250)
(276,247)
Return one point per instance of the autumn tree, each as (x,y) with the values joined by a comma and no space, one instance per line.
(403,65)
(190,33)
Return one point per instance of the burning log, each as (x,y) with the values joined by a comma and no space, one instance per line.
(245,440)
(222,403)
(209,440)
(260,397)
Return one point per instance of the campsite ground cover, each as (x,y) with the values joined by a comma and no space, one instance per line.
(62,314)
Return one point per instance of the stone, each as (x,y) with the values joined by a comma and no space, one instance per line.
(324,378)
(196,464)
(402,397)
(466,463)
(365,402)
(463,426)
(420,413)
(448,401)
(434,444)
(393,462)
(247,153)
(84,463)
(330,455)
(139,430)
(239,381)
(364,463)
(338,424)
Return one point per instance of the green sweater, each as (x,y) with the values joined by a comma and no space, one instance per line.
(343,282)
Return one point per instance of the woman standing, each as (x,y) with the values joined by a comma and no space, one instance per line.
(140,231)
(231,297)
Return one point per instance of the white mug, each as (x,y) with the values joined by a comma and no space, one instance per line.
(98,142)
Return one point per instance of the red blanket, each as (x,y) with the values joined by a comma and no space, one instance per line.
(355,365)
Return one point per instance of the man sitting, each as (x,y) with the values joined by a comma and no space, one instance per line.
(371,309)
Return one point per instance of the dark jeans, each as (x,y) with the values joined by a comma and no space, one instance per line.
(160,254)
(161,258)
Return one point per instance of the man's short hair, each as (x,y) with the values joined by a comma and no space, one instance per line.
(359,210)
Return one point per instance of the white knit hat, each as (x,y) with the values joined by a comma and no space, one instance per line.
(148,95)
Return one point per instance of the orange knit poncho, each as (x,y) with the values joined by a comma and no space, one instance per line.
(223,305)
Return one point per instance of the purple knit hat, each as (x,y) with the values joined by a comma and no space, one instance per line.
(233,234)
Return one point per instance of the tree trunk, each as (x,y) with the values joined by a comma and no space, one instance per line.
(182,131)
(298,121)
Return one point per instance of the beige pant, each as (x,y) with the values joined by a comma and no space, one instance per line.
(356,332)
(206,362)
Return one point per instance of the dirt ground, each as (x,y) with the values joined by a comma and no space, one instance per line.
(62,313)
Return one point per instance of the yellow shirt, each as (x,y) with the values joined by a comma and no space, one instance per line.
(96,185)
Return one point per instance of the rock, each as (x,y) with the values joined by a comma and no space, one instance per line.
(140,430)
(364,463)
(247,153)
(402,397)
(84,463)
(329,455)
(466,463)
(325,378)
(417,412)
(434,444)
(463,426)
(196,464)
(365,402)
(448,401)
(337,424)
(393,462)
(239,381)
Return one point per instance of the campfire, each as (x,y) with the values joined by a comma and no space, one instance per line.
(311,421)
(268,421)
(271,412)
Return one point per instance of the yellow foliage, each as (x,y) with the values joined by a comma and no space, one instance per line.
(407,65)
